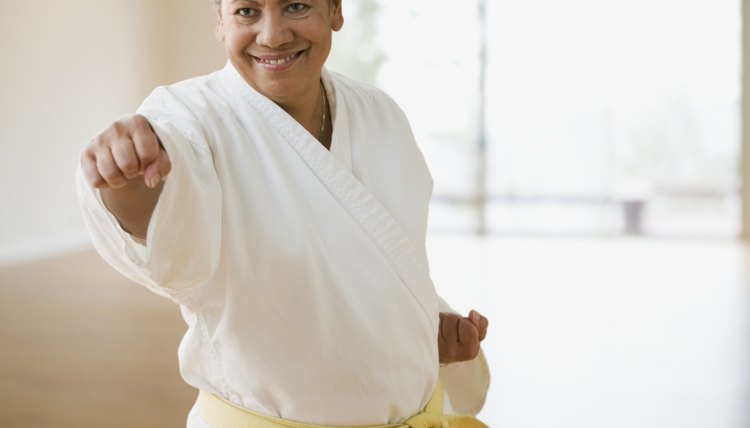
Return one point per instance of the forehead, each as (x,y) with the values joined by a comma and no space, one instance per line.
(219,2)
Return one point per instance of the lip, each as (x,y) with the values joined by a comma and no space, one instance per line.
(278,62)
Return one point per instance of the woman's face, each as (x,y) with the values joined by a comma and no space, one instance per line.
(279,46)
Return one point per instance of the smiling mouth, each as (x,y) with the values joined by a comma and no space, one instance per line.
(277,62)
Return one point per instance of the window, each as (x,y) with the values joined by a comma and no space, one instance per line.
(579,117)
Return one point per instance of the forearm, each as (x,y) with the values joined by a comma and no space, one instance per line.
(132,205)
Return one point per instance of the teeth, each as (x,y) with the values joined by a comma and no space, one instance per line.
(277,61)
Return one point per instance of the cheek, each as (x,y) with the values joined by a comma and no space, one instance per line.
(321,35)
(316,28)
(325,44)
(237,41)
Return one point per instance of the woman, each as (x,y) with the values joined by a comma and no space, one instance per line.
(284,208)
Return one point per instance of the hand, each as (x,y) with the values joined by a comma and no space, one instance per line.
(127,149)
(459,337)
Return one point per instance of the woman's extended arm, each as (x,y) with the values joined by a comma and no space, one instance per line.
(114,162)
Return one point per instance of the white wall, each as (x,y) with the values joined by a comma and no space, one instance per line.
(68,69)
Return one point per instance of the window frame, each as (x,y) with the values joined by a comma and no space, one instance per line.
(745,131)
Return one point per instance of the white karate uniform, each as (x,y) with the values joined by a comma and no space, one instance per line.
(301,273)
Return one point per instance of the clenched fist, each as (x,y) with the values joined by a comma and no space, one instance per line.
(127,149)
(127,162)
(460,337)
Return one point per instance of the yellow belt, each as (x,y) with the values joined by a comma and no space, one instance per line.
(220,413)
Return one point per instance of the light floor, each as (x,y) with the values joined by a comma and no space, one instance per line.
(584,333)
(607,333)
(82,347)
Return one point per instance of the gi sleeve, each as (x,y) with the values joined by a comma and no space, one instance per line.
(183,243)
(465,383)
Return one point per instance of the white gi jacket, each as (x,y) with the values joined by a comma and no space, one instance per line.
(301,273)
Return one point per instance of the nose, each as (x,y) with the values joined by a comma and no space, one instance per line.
(273,31)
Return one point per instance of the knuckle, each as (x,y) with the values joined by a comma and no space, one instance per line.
(110,175)
(97,144)
(141,124)
(466,326)
(451,320)
(117,128)
(125,124)
(147,147)
(129,165)
(87,157)
(88,149)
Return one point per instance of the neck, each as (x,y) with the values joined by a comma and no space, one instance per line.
(311,111)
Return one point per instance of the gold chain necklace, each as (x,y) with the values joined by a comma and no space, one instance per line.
(325,107)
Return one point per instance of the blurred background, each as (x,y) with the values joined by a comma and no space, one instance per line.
(590,199)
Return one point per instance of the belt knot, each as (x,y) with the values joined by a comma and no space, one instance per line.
(432,420)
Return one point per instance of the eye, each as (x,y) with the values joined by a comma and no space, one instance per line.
(297,7)
(246,12)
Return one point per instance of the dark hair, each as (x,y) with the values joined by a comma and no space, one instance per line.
(218,2)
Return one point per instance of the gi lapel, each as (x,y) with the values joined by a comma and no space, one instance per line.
(340,146)
(378,224)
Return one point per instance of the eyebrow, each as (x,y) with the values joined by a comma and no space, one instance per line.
(255,2)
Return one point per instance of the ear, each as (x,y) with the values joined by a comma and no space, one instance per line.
(219,31)
(338,16)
